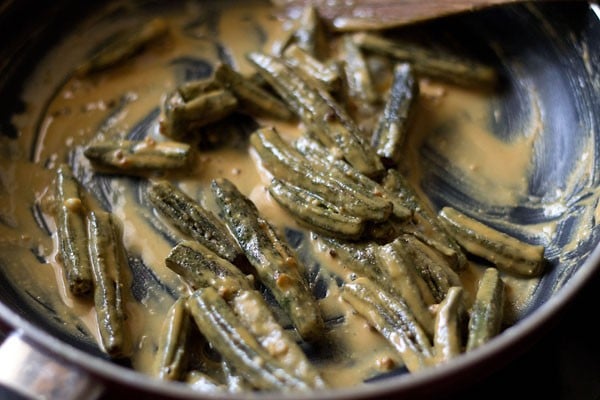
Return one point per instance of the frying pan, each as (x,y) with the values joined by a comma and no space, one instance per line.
(547,49)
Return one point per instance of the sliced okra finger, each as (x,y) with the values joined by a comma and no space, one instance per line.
(313,211)
(428,62)
(319,112)
(125,156)
(393,123)
(327,75)
(191,89)
(342,171)
(254,313)
(407,283)
(427,227)
(392,318)
(181,118)
(286,163)
(448,337)
(236,344)
(173,346)
(252,98)
(201,267)
(124,45)
(508,253)
(72,232)
(192,219)
(358,77)
(311,33)
(276,265)
(108,260)
(487,312)
(429,264)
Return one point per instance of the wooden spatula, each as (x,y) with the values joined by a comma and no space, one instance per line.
(380,14)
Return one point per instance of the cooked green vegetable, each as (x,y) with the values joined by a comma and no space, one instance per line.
(429,264)
(191,89)
(317,213)
(448,337)
(311,33)
(427,227)
(344,172)
(359,257)
(123,46)
(392,126)
(488,310)
(275,263)
(192,219)
(407,283)
(327,75)
(250,307)
(391,317)
(71,231)
(200,268)
(358,77)
(173,346)
(252,99)
(181,118)
(506,252)
(285,163)
(236,344)
(320,112)
(125,156)
(108,260)
(427,62)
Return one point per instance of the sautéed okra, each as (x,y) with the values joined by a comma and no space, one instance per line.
(249,307)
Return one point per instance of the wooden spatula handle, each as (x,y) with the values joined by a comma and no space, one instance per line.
(380,14)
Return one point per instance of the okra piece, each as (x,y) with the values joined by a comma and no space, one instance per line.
(71,231)
(236,344)
(181,118)
(124,46)
(486,315)
(428,62)
(251,309)
(319,112)
(428,227)
(327,75)
(125,156)
(407,283)
(108,260)
(318,155)
(315,212)
(201,267)
(173,346)
(429,264)
(191,89)
(358,77)
(359,257)
(285,163)
(251,98)
(390,132)
(508,253)
(192,219)
(276,265)
(392,318)
(447,340)
(311,33)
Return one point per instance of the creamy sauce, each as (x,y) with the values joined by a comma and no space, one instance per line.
(77,113)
